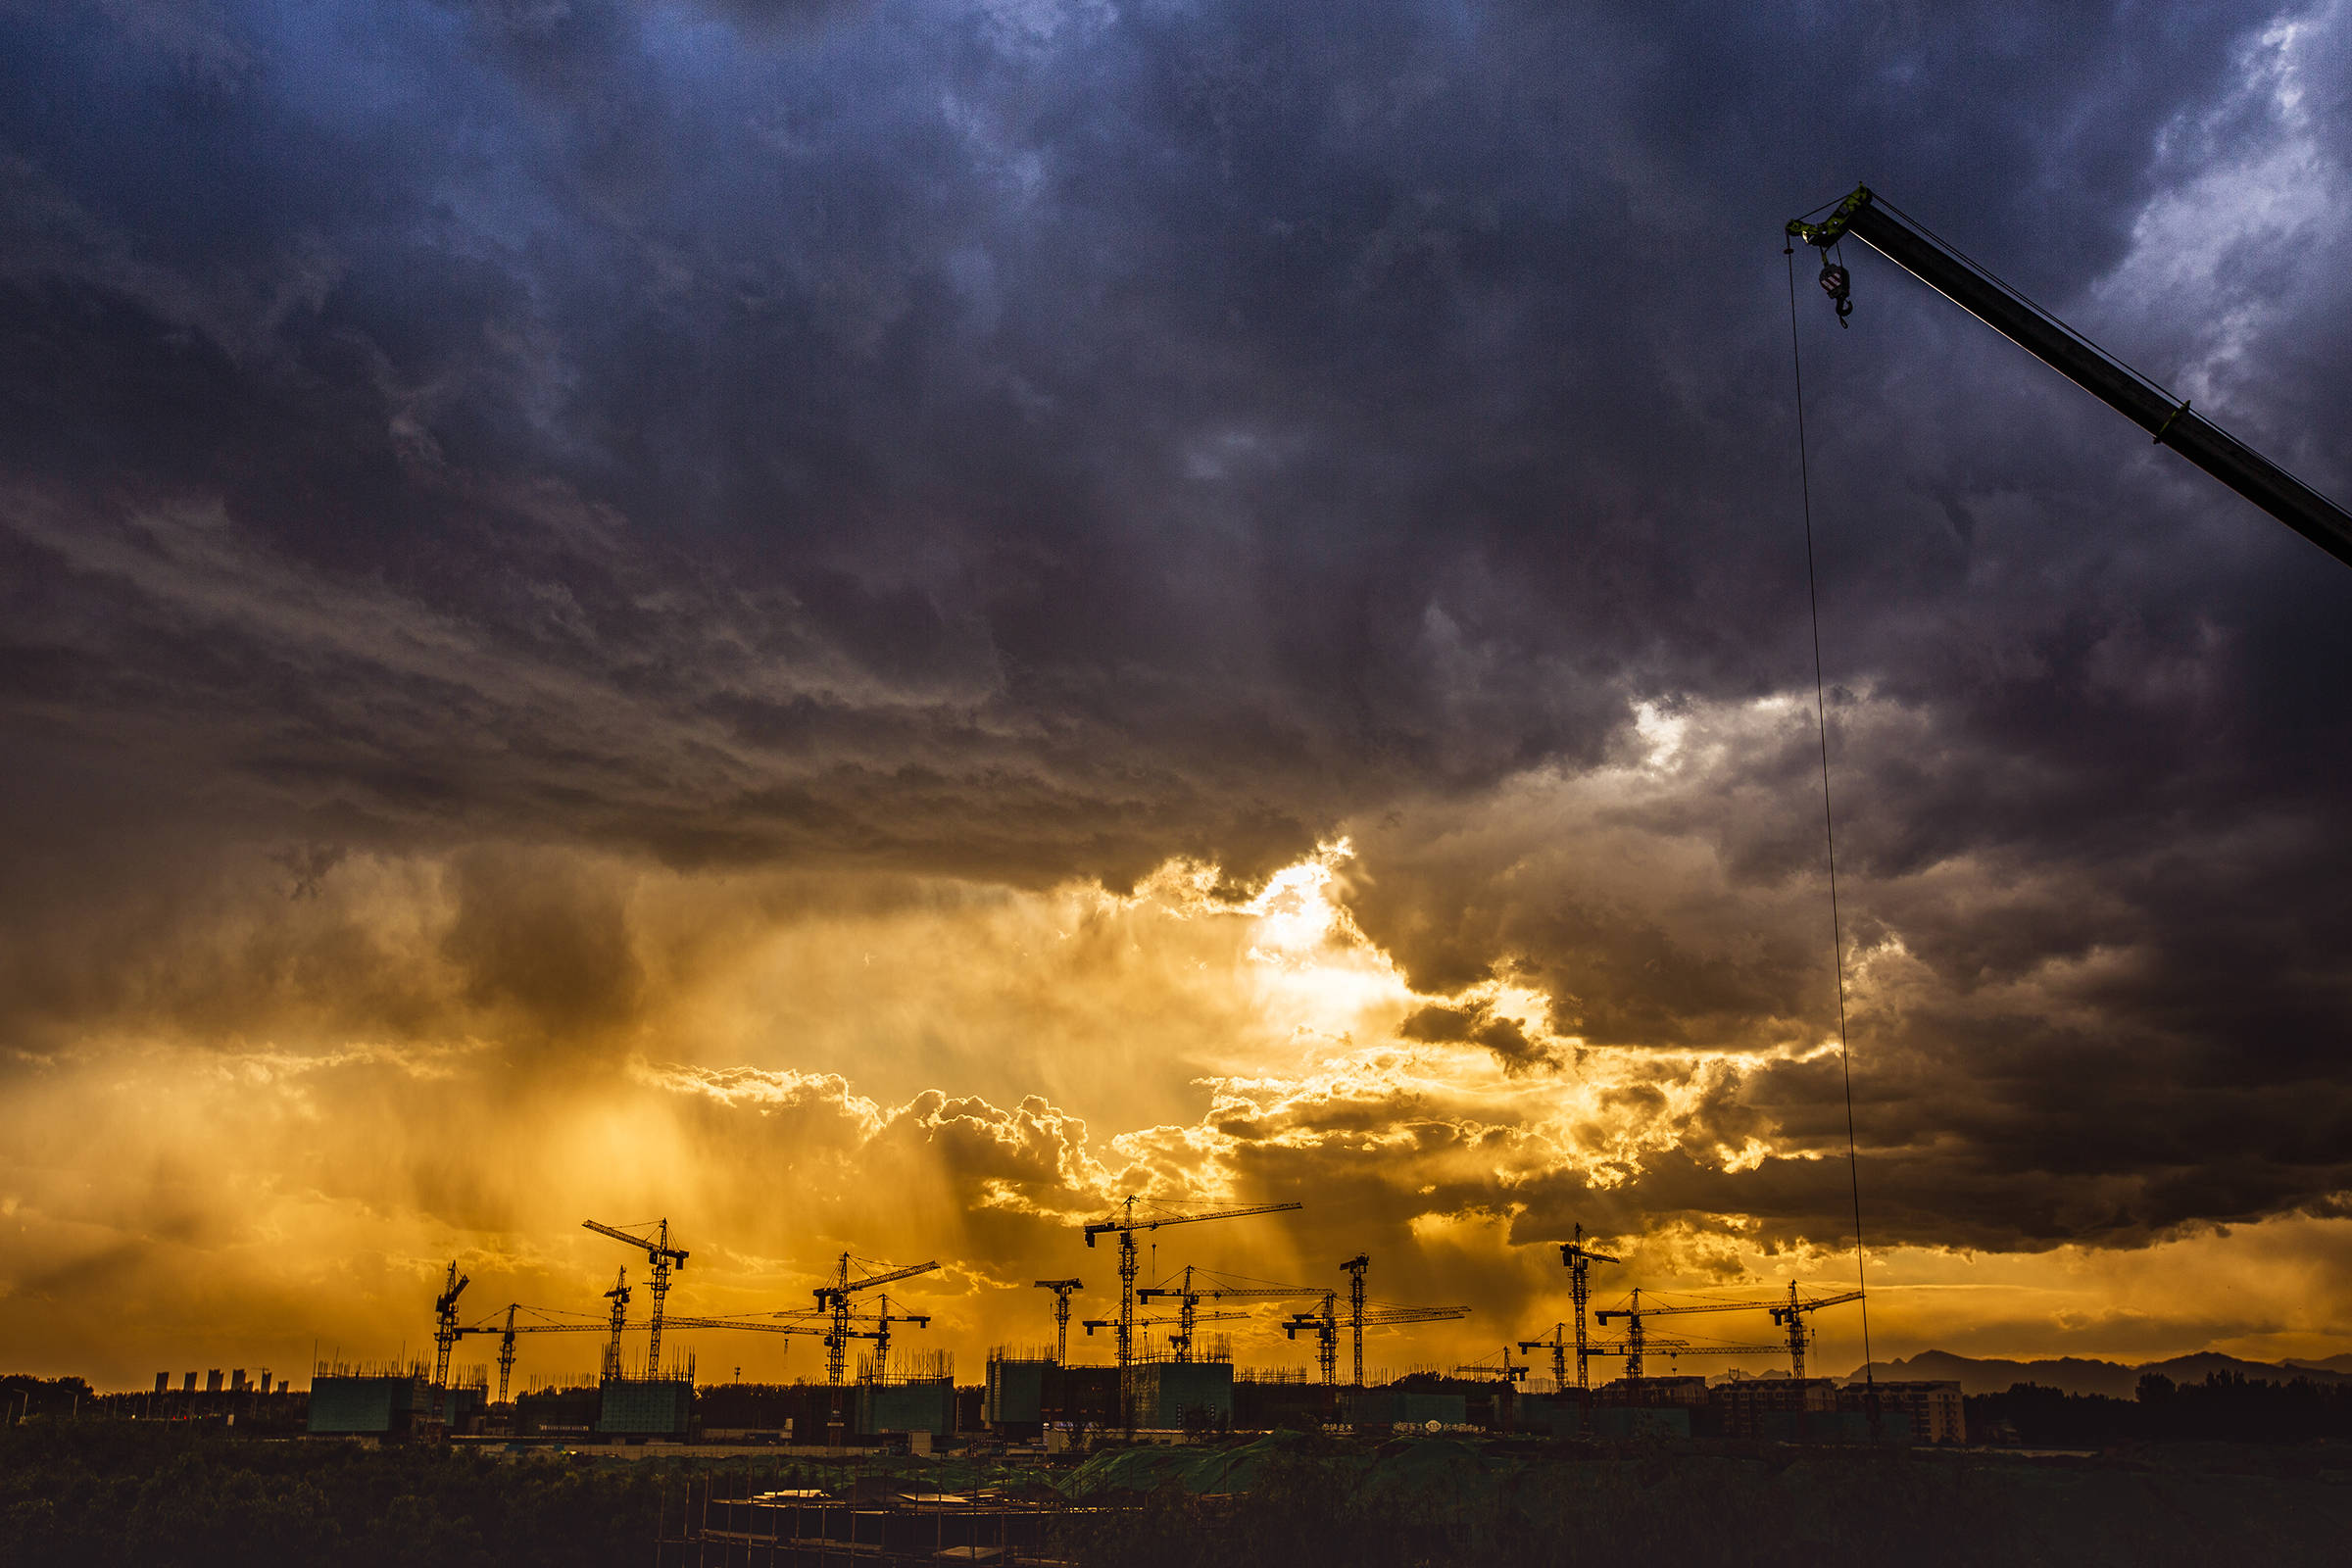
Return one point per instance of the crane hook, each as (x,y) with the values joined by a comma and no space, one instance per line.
(1837,283)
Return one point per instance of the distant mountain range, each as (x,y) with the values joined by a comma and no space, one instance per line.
(2076,1375)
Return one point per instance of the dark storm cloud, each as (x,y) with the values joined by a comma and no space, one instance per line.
(1032,439)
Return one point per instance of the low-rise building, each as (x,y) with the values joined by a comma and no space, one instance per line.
(1934,1409)
(367,1406)
(1769,1409)
(644,1407)
(1171,1396)
(915,1405)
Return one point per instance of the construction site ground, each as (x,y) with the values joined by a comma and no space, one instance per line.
(124,1493)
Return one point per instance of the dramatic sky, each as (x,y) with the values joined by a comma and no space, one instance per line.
(869,625)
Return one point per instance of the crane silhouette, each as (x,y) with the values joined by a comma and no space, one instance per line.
(664,1258)
(1191,1292)
(1125,1225)
(1062,1290)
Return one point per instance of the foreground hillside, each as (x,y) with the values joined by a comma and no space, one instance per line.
(1443,1502)
(105,1495)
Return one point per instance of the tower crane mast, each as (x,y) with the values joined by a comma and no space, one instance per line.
(446,1333)
(1062,1290)
(1871,219)
(1355,1267)
(1578,1259)
(619,1295)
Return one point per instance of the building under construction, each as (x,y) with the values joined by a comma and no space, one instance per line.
(1164,1379)
(876,1527)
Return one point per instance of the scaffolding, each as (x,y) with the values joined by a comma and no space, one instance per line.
(727,1522)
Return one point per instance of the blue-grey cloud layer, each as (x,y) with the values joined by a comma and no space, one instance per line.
(1033,439)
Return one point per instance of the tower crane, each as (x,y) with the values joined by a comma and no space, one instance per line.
(1789,1313)
(509,1325)
(1578,1259)
(664,1258)
(1355,1267)
(1510,1371)
(1324,1324)
(1125,1225)
(445,1333)
(1560,1344)
(1873,221)
(833,1299)
(1637,1340)
(619,1295)
(883,1318)
(1062,1290)
(506,1354)
(1189,1295)
(1634,1349)
(1182,1339)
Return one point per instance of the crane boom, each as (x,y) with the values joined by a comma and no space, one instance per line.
(1697,1307)
(1130,1225)
(654,1248)
(826,1293)
(1232,1316)
(2168,420)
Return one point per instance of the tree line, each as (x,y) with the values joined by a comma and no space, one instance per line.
(2226,1407)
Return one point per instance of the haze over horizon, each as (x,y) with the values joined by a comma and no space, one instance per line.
(869,625)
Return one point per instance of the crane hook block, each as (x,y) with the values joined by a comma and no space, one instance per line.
(1838,284)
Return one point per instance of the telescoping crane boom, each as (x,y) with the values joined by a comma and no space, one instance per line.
(2171,420)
